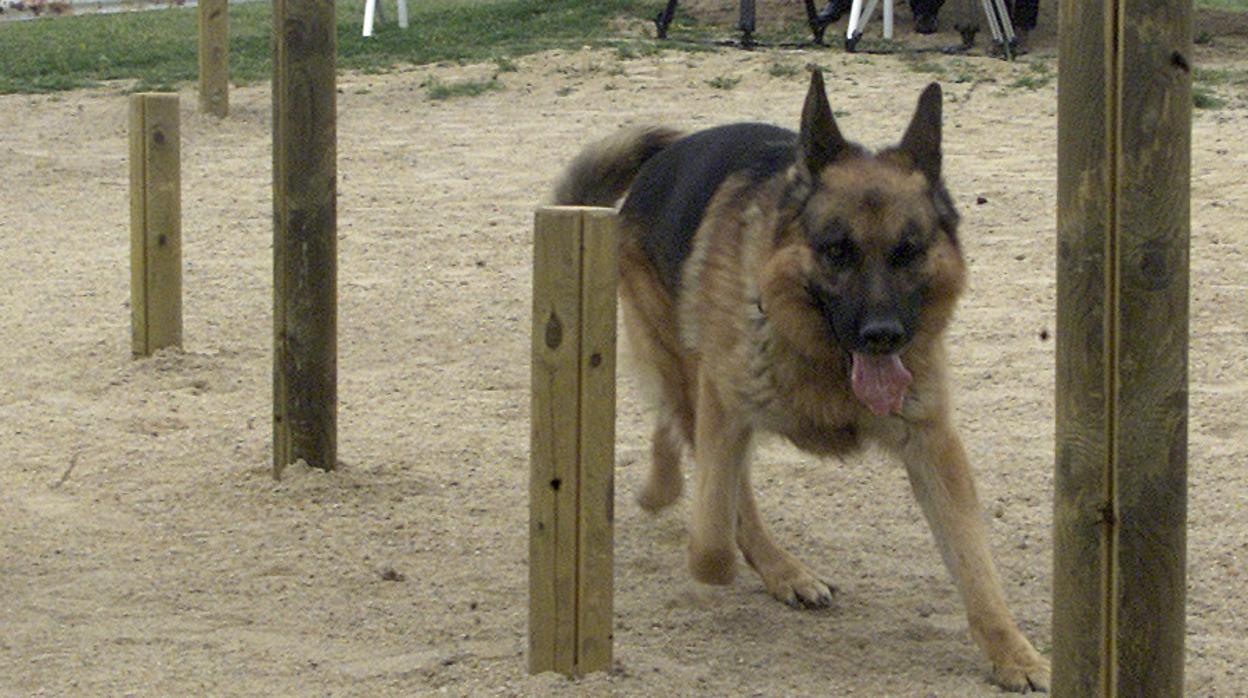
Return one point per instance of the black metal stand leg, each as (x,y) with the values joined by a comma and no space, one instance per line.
(664,19)
(746,23)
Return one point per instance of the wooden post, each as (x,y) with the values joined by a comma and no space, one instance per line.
(572,456)
(305,371)
(1124,145)
(155,223)
(214,57)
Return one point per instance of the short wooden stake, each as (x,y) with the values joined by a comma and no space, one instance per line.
(305,242)
(572,456)
(155,224)
(214,57)
(1120,488)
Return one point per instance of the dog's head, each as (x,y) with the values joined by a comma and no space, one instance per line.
(871,256)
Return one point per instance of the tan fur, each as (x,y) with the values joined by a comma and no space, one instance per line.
(742,349)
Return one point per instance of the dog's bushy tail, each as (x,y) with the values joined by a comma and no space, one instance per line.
(603,170)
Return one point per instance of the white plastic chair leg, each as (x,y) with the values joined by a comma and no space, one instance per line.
(370,11)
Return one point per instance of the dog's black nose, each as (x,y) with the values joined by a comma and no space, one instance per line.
(882,335)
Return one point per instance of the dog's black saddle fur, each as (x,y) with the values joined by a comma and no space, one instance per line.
(672,190)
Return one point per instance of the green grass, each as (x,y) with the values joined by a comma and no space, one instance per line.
(1205,94)
(467,88)
(1203,98)
(1220,76)
(724,82)
(931,67)
(964,71)
(628,52)
(1031,82)
(157,49)
(784,70)
(1039,75)
(1233,5)
(506,65)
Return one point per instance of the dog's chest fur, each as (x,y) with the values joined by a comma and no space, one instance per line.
(723,323)
(792,397)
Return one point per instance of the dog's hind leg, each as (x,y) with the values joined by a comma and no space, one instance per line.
(786,577)
(664,483)
(664,378)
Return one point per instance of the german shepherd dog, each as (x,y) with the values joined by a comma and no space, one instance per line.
(799,284)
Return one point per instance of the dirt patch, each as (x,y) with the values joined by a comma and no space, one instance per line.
(167,561)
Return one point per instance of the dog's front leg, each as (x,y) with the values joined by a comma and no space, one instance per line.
(786,577)
(721,446)
(942,482)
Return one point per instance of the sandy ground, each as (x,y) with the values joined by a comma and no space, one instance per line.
(146,550)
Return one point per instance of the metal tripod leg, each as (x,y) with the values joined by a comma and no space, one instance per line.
(858,18)
(1001,26)
(1007,23)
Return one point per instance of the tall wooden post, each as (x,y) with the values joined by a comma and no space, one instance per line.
(155,223)
(305,363)
(1124,125)
(572,447)
(214,57)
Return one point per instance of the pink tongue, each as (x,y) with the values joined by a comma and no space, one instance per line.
(880,382)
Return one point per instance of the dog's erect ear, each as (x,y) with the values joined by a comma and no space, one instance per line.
(820,140)
(921,145)
(922,139)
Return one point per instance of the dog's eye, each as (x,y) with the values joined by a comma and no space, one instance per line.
(906,253)
(840,253)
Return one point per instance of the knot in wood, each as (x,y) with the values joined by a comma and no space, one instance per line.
(554,332)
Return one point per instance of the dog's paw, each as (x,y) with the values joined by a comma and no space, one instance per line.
(800,588)
(713,566)
(1023,677)
(664,483)
(655,497)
